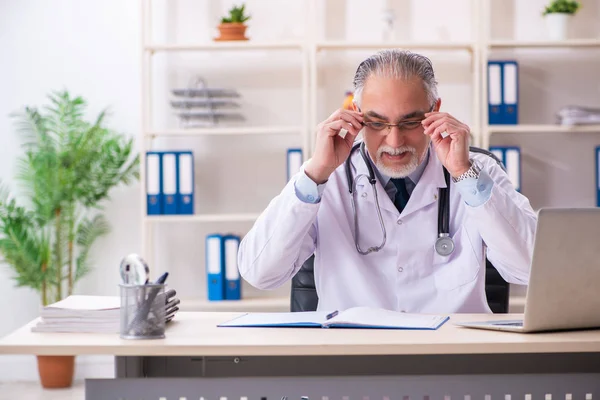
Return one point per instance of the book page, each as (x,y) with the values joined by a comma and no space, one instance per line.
(307,318)
(87,303)
(380,318)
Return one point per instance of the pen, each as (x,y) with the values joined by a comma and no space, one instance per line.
(331,315)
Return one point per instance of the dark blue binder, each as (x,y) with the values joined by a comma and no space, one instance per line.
(215,264)
(510,92)
(233,290)
(184,197)
(511,158)
(598,176)
(153,183)
(495,109)
(169,182)
(294,162)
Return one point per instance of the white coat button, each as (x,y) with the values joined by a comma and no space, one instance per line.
(399,222)
(311,198)
(364,194)
(400,269)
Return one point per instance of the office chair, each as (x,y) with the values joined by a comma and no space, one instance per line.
(304,294)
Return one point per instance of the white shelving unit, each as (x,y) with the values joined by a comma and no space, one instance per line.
(480,49)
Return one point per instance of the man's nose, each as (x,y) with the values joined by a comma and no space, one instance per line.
(395,137)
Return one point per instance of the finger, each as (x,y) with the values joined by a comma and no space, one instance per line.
(446,130)
(436,134)
(433,116)
(333,128)
(434,124)
(339,112)
(353,119)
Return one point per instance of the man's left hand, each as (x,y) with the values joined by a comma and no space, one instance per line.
(450,139)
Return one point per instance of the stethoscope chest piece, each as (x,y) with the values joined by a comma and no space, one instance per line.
(444,245)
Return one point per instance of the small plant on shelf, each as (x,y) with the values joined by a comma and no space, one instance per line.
(557,15)
(233,26)
(562,7)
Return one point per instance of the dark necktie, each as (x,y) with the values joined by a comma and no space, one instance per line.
(402,196)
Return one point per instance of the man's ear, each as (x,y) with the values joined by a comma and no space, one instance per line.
(355,106)
(438,105)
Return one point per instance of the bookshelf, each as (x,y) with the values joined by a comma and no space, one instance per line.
(313,47)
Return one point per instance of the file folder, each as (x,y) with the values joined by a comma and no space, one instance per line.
(510,92)
(185,183)
(294,162)
(494,92)
(598,176)
(169,178)
(214,267)
(153,183)
(232,274)
(511,158)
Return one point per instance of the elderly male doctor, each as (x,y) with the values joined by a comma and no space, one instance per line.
(408,142)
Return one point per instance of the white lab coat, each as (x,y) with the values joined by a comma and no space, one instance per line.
(407,274)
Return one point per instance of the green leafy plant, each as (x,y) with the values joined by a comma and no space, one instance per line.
(68,168)
(236,15)
(562,6)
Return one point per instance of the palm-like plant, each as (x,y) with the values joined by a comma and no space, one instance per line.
(68,168)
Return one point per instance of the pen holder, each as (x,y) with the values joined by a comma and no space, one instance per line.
(143,311)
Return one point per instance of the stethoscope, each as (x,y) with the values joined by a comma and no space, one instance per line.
(444,244)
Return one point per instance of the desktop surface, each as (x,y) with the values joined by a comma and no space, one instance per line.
(196,333)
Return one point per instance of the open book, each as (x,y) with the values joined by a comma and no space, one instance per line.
(356,317)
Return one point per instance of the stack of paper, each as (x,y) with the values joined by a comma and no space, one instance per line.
(88,314)
(577,115)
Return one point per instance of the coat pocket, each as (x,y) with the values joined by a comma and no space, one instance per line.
(457,269)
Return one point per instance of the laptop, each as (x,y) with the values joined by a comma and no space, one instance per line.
(563,291)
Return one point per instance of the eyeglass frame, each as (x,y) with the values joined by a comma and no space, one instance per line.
(390,126)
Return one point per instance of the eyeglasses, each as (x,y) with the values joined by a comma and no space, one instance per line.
(407,125)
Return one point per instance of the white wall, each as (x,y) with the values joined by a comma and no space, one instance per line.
(92,48)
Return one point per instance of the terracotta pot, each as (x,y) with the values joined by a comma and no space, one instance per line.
(232,31)
(56,371)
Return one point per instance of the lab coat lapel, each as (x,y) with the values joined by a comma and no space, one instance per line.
(426,190)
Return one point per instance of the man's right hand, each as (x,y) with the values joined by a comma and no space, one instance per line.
(331,150)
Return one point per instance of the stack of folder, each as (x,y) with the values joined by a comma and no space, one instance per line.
(503,92)
(578,115)
(170,182)
(223,277)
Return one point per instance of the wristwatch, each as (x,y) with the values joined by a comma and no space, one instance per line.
(472,172)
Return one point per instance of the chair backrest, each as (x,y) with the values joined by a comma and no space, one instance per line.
(304,294)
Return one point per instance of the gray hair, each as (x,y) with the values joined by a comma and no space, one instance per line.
(398,64)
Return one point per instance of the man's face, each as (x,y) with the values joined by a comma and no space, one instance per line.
(396,152)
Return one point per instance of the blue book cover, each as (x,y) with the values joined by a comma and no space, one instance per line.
(215,264)
(153,183)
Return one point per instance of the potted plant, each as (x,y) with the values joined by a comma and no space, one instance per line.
(557,15)
(233,27)
(68,168)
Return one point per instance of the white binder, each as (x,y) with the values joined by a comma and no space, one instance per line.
(169,169)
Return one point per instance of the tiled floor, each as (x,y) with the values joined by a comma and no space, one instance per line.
(33,391)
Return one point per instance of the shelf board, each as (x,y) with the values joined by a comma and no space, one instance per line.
(545,43)
(542,128)
(346,45)
(231,45)
(204,218)
(242,130)
(252,304)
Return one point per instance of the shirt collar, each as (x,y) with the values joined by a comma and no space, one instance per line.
(413,176)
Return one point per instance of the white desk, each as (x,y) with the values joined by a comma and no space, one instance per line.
(199,359)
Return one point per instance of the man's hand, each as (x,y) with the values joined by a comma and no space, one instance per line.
(450,139)
(331,150)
